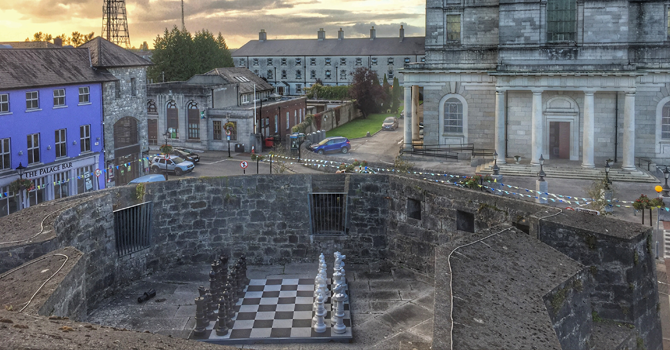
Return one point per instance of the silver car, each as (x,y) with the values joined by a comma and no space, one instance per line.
(173,164)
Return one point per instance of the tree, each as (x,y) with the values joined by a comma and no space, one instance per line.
(367,92)
(395,95)
(387,93)
(77,39)
(144,46)
(227,57)
(64,38)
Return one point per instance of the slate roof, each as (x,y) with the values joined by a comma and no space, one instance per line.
(107,54)
(231,73)
(28,44)
(334,47)
(22,68)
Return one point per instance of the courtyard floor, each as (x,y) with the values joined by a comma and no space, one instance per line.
(390,310)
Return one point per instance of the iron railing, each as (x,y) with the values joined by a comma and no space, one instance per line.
(447,151)
(328,213)
(132,228)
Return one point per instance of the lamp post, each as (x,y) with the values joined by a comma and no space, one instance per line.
(541,174)
(336,83)
(666,188)
(496,169)
(21,170)
(167,132)
(607,175)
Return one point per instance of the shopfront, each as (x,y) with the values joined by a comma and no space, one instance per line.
(52,181)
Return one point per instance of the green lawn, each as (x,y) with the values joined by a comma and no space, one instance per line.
(359,128)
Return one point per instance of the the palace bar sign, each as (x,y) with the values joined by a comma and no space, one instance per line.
(48,170)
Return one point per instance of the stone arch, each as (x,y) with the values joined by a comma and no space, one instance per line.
(192,120)
(662,145)
(453,137)
(151,107)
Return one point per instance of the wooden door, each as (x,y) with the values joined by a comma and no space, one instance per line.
(153,131)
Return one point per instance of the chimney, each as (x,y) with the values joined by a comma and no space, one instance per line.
(321,34)
(340,34)
(373,33)
(262,36)
(58,42)
(402,33)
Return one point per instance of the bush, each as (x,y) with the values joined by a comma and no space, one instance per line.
(328,92)
(474,182)
(167,149)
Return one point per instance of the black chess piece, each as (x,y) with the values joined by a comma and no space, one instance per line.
(212,303)
(243,260)
(222,324)
(204,293)
(214,281)
(232,280)
(201,321)
(230,309)
(240,278)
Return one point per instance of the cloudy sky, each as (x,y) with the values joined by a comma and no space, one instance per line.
(238,20)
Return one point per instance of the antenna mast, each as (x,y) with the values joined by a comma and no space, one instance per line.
(115,22)
(183,25)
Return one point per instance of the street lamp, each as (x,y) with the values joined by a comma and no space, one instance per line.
(167,132)
(607,174)
(666,188)
(336,83)
(541,174)
(21,170)
(496,169)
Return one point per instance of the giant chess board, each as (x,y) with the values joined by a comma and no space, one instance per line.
(278,311)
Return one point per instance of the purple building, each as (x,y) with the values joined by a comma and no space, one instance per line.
(50,123)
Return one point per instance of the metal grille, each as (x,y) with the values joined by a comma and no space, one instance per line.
(328,213)
(132,228)
(561,21)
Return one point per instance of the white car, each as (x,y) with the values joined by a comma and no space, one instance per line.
(172,164)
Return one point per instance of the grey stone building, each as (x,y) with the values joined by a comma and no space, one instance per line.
(291,65)
(194,113)
(124,110)
(577,80)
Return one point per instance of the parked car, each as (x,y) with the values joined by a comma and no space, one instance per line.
(148,178)
(331,144)
(390,123)
(174,165)
(187,154)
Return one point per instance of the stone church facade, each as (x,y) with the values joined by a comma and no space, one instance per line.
(579,80)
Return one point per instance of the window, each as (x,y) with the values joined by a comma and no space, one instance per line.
(242,62)
(85,179)
(59,97)
(4,155)
(298,88)
(390,60)
(668,16)
(343,74)
(298,74)
(359,61)
(245,98)
(117,89)
(423,59)
(374,61)
(270,74)
(33,148)
(216,127)
(283,61)
(38,193)
(343,61)
(269,61)
(61,185)
(84,95)
(4,103)
(283,74)
(407,60)
(173,119)
(32,100)
(561,20)
(454,28)
(151,107)
(389,74)
(85,138)
(61,143)
(413,209)
(665,132)
(453,116)
(328,74)
(328,61)
(133,87)
(298,61)
(312,74)
(254,62)
(193,119)
(9,202)
(288,121)
(312,61)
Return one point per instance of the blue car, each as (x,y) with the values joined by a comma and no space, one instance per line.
(331,144)
(148,178)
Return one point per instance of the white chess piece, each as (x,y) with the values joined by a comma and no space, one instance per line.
(320,313)
(338,315)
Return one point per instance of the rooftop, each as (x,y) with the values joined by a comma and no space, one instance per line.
(333,47)
(242,76)
(107,54)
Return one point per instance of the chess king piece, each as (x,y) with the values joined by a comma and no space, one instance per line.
(320,314)
(338,316)
(222,324)
(201,321)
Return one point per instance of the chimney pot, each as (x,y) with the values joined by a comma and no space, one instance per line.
(262,36)
(58,42)
(340,34)
(321,34)
(402,33)
(373,33)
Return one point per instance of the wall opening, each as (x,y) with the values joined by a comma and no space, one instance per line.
(465,221)
(132,228)
(413,208)
(328,213)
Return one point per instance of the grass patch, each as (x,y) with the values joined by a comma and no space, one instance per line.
(359,127)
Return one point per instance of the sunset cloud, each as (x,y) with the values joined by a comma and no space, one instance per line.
(238,20)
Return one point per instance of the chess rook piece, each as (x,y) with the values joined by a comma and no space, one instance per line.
(213,305)
(201,321)
(320,314)
(338,314)
(222,319)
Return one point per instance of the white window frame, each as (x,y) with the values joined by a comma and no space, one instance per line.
(452,138)
(343,61)
(34,101)
(343,74)
(359,61)
(35,140)
(662,145)
(5,152)
(374,61)
(245,98)
(391,61)
(85,94)
(60,141)
(283,74)
(312,61)
(283,61)
(58,98)
(298,74)
(85,138)
(269,62)
(4,104)
(328,75)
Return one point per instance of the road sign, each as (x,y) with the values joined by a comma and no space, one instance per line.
(244,164)
(98,172)
(228,132)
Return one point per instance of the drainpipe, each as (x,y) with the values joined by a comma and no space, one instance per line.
(616,126)
(506,122)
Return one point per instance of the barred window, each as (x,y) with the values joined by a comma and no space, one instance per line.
(327,61)
(391,60)
(328,74)
(561,20)
(312,74)
(359,61)
(453,115)
(454,28)
(343,61)
(312,61)
(217,129)
(255,61)
(269,61)
(298,61)
(374,61)
(283,74)
(666,122)
(283,61)
(298,74)
(343,74)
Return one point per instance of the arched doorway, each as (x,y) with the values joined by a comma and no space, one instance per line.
(126,150)
(173,119)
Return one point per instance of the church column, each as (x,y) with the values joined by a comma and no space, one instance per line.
(629,132)
(415,116)
(408,118)
(500,126)
(537,129)
(588,141)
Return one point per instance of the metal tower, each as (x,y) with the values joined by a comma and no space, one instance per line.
(115,22)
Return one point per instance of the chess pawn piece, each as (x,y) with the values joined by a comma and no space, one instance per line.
(240,278)
(213,281)
(338,314)
(320,314)
(230,311)
(201,321)
(213,305)
(243,260)
(222,319)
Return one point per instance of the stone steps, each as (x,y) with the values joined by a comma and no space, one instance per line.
(569,173)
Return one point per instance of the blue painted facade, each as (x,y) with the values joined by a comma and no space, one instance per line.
(74,171)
